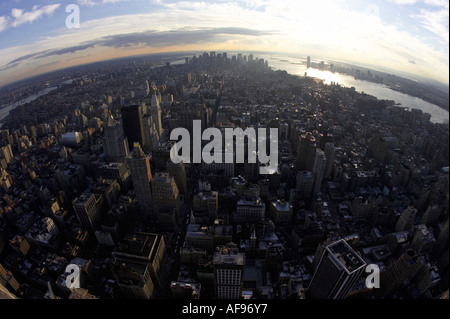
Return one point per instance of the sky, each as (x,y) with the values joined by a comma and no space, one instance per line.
(408,36)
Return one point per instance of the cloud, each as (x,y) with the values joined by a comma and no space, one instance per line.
(435,22)
(437,3)
(91,3)
(150,38)
(332,29)
(113,1)
(19,16)
(88,3)
(3,23)
(434,3)
(404,2)
(16,62)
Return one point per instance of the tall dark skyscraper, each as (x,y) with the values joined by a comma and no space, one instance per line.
(156,113)
(306,152)
(337,271)
(114,143)
(406,219)
(318,170)
(86,207)
(304,185)
(308,62)
(133,125)
(406,266)
(329,154)
(138,264)
(141,176)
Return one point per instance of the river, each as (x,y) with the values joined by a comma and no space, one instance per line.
(297,66)
(4,110)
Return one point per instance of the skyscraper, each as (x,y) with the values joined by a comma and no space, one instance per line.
(442,241)
(305,183)
(87,209)
(308,62)
(156,113)
(398,271)
(320,163)
(115,144)
(133,126)
(228,265)
(406,220)
(423,239)
(141,175)
(138,262)
(338,269)
(306,152)
(8,281)
(329,154)
(166,199)
(178,171)
(146,87)
(165,190)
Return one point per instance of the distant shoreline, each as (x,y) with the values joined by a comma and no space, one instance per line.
(340,69)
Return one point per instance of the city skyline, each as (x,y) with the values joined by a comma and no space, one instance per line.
(409,36)
(361,185)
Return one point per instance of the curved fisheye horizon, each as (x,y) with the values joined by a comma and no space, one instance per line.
(408,37)
(216,157)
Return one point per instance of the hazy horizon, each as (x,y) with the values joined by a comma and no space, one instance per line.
(406,36)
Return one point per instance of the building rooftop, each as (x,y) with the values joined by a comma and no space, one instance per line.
(162,177)
(196,230)
(82,199)
(140,246)
(228,255)
(282,205)
(345,256)
(251,202)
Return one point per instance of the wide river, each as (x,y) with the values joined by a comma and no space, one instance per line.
(4,110)
(297,66)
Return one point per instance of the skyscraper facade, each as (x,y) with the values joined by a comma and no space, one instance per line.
(320,163)
(178,171)
(305,183)
(141,176)
(406,220)
(228,265)
(397,272)
(115,145)
(165,191)
(87,209)
(338,269)
(306,152)
(156,114)
(329,154)
(133,126)
(138,264)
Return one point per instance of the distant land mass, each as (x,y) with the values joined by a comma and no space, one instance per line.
(426,89)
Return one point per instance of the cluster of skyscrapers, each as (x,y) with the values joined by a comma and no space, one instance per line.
(359,182)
